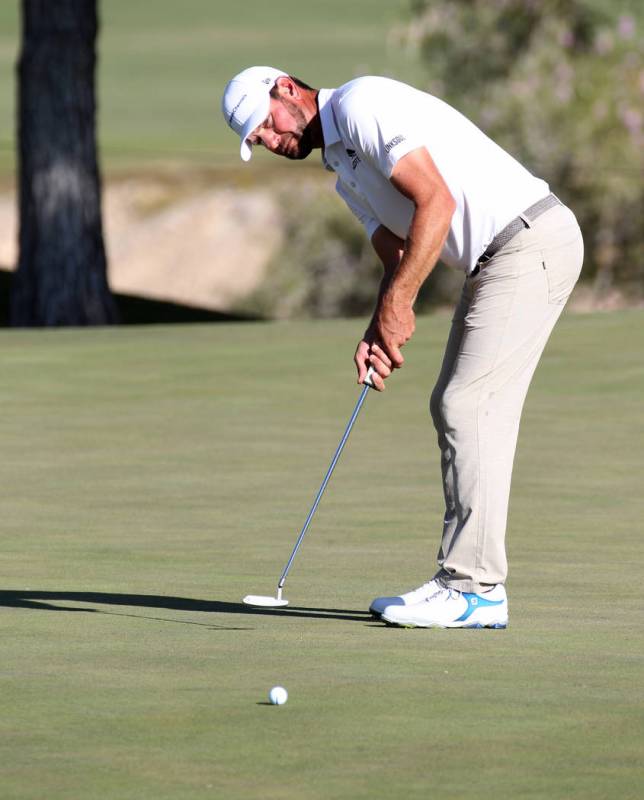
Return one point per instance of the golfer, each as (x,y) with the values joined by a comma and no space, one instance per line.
(427,184)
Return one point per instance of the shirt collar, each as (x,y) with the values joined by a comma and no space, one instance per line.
(330,133)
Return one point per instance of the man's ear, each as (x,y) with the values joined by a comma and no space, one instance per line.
(286,87)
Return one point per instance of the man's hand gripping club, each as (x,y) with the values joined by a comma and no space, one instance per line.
(392,326)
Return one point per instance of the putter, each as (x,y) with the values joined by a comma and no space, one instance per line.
(276,602)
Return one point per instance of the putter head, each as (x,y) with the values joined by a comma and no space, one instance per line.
(264,602)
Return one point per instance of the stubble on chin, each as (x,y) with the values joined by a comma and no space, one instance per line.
(303,149)
(304,141)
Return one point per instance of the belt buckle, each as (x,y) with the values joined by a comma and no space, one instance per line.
(481,262)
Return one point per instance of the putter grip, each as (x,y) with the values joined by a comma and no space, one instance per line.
(367,380)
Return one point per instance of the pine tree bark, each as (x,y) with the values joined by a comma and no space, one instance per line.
(61,278)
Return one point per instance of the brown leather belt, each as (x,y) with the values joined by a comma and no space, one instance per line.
(511,230)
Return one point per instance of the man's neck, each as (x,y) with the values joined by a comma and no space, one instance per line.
(315,123)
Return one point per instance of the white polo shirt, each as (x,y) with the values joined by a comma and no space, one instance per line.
(370,123)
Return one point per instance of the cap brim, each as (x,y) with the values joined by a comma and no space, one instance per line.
(255,119)
(246,151)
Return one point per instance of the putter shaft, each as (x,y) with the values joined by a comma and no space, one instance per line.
(316,502)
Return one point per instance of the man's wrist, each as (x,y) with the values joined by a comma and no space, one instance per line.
(401,294)
(370,333)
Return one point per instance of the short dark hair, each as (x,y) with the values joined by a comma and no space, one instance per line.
(296,81)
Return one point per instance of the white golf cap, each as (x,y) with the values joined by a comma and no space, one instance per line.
(246,102)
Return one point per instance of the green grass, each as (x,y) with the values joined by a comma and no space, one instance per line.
(163,67)
(154,476)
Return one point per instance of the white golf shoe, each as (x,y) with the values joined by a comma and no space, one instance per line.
(407,599)
(449,608)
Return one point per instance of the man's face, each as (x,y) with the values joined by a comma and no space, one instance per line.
(284,131)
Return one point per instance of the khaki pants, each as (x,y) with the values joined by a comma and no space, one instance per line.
(499,330)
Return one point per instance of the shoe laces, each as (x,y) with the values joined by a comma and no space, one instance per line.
(448,594)
(436,590)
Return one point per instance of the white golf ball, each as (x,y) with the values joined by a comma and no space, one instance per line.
(278,695)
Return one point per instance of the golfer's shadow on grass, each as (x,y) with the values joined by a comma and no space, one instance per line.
(46,601)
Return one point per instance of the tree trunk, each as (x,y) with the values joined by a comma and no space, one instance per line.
(61,277)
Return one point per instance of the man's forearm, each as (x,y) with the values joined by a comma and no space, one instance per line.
(394,320)
(415,176)
(382,290)
(427,235)
(389,249)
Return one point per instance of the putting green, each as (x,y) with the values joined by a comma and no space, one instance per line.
(152,477)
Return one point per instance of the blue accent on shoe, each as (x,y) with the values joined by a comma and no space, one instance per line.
(475,601)
(496,626)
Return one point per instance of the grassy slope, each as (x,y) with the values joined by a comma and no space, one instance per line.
(163,66)
(165,463)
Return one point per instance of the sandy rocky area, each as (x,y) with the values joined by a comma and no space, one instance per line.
(198,246)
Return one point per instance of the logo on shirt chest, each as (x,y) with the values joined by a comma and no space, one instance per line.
(355,160)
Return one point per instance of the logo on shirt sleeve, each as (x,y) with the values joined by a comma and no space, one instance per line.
(395,141)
